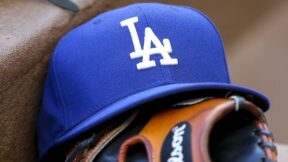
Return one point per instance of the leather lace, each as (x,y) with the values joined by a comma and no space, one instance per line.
(266,142)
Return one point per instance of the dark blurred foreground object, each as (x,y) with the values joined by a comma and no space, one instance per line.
(29,31)
(201,130)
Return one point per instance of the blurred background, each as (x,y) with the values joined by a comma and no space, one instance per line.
(255,35)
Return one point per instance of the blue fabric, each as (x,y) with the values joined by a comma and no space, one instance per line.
(91,77)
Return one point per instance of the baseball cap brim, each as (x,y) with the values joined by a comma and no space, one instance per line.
(155,93)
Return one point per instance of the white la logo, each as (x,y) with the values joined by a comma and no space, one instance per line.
(162,49)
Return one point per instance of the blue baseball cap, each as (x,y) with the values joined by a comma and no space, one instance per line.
(127,57)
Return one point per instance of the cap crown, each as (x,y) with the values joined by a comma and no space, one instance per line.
(122,52)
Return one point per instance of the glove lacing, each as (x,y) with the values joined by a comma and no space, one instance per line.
(266,137)
(266,142)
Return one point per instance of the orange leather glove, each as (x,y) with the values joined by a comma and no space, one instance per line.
(213,130)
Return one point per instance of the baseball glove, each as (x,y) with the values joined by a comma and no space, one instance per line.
(199,130)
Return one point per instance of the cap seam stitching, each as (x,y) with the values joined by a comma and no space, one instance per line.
(146,20)
(61,93)
(219,38)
